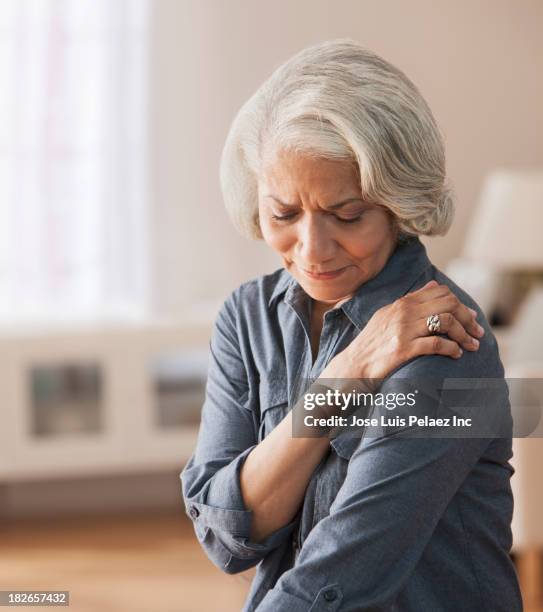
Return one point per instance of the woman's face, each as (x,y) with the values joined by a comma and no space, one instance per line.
(312,213)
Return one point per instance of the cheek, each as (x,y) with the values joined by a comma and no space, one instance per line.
(368,241)
(357,248)
(280,239)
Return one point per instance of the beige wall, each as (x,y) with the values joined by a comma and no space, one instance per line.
(479,63)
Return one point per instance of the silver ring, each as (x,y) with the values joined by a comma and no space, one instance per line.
(433,324)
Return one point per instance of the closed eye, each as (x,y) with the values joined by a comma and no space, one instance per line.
(290,216)
(351,220)
(284,217)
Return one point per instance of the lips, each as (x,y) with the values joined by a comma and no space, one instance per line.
(324,275)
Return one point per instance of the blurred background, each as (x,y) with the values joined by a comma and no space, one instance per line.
(115,253)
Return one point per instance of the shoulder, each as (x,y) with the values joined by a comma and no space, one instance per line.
(262,288)
(246,321)
(485,362)
(254,297)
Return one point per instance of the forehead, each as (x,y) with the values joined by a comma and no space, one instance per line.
(291,173)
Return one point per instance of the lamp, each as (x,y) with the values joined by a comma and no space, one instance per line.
(506,231)
(505,239)
(503,252)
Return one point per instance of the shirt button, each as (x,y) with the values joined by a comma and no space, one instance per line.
(194,512)
(330,595)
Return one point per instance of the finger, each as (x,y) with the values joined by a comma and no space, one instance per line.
(449,325)
(451,304)
(430,283)
(429,292)
(433,291)
(435,345)
(480,328)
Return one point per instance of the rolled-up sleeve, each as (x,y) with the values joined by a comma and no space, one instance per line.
(228,432)
(360,556)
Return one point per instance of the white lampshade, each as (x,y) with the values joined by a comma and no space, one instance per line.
(480,280)
(526,344)
(506,231)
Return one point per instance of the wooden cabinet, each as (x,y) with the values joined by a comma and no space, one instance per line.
(90,401)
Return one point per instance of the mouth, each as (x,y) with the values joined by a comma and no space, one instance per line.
(324,275)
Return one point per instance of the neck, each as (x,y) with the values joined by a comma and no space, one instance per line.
(319,308)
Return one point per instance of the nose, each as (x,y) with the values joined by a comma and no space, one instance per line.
(315,245)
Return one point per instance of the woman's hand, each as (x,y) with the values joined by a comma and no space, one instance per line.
(398,332)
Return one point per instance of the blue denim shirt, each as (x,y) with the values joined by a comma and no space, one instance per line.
(387,524)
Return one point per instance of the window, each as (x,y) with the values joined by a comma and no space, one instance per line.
(73,159)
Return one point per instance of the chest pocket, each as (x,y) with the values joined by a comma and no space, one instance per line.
(273,397)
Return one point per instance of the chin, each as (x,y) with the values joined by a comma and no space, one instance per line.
(326,294)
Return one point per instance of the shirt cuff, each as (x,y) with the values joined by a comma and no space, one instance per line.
(224,491)
(223,511)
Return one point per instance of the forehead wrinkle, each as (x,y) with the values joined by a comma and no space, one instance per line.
(334,206)
(295,181)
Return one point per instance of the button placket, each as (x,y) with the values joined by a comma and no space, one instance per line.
(328,340)
(295,300)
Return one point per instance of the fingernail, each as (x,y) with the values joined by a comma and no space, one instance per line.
(460,352)
(480,329)
(475,342)
(473,312)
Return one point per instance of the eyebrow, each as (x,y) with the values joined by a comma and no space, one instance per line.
(331,207)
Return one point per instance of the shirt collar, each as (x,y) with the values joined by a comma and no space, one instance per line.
(404,267)
(283,283)
(407,263)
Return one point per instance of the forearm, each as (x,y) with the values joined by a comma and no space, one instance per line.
(275,475)
(394,494)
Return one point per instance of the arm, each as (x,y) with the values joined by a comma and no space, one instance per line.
(228,521)
(276,473)
(242,496)
(360,556)
(275,476)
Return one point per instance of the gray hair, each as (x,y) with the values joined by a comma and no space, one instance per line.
(337,100)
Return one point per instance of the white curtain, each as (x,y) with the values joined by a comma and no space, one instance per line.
(73,189)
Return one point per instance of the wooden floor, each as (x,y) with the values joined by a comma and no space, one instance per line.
(133,564)
(150,563)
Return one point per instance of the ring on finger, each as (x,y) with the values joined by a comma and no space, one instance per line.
(433,323)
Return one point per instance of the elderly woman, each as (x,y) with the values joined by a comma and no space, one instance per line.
(336,162)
